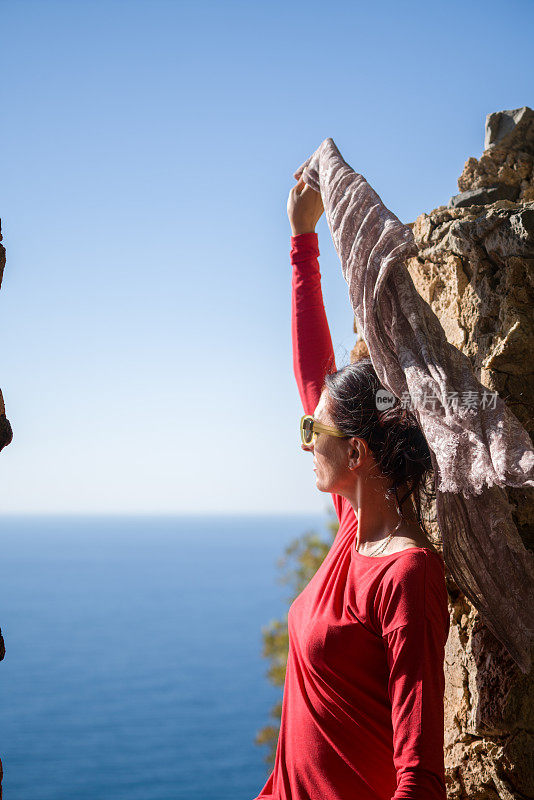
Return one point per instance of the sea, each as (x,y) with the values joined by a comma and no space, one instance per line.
(133,666)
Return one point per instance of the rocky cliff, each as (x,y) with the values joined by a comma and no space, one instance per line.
(6,434)
(475,268)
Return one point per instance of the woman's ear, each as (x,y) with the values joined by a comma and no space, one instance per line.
(357,452)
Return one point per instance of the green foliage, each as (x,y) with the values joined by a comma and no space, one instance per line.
(299,563)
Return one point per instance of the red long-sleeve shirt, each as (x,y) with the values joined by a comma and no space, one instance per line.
(362,714)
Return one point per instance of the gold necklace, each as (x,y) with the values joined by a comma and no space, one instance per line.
(385,542)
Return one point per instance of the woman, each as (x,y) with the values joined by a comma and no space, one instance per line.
(362,713)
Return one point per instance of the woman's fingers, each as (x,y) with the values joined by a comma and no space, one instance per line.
(304,207)
(302,188)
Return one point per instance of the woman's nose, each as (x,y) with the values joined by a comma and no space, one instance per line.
(308,448)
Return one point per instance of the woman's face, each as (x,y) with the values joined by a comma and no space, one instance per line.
(331,455)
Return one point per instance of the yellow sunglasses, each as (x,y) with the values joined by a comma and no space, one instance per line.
(309,428)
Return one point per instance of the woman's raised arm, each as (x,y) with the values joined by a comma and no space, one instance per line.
(313,354)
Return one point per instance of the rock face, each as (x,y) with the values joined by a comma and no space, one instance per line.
(2,255)
(505,167)
(6,434)
(476,269)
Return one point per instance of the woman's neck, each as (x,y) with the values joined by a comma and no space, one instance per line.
(378,516)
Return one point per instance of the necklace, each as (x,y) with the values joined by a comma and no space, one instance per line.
(385,542)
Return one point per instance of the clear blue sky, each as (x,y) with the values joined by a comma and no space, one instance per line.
(147,152)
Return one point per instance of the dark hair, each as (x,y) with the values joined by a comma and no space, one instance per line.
(393,435)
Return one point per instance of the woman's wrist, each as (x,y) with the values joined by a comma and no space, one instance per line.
(301,231)
(304,246)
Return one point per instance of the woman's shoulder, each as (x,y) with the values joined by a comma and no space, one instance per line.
(409,536)
(411,587)
(414,563)
(414,548)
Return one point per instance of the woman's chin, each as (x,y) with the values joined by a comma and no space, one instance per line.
(319,484)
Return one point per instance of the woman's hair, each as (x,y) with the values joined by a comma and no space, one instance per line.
(393,435)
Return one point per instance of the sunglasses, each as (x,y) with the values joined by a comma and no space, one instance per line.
(309,428)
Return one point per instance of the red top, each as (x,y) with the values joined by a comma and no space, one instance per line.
(362,714)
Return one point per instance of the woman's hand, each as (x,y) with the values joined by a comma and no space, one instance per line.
(304,208)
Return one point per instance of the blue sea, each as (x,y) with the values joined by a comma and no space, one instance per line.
(133,663)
